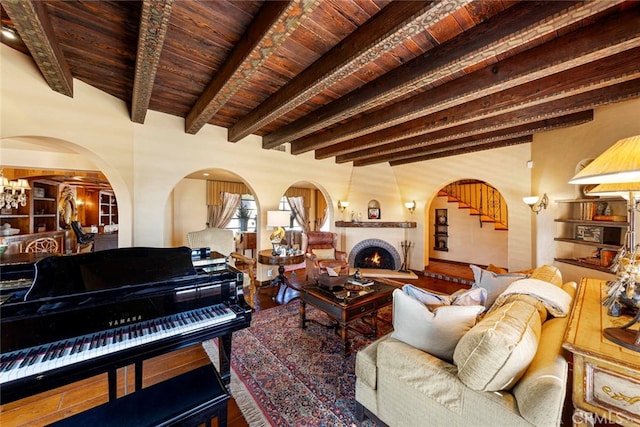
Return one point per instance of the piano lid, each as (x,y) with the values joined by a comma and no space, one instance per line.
(113,268)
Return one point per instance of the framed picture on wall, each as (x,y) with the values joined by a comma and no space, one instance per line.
(374,213)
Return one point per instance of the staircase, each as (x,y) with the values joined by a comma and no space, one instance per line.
(480,199)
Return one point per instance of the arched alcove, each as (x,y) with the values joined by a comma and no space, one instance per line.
(197,195)
(468,223)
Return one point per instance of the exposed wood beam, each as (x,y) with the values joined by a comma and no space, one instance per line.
(380,35)
(491,139)
(487,144)
(496,37)
(576,48)
(532,98)
(31,20)
(408,148)
(570,105)
(154,21)
(276,21)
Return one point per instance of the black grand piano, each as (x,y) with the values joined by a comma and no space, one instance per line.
(92,313)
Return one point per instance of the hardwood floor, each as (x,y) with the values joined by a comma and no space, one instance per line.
(65,401)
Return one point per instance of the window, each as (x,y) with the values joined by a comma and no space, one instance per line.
(284,206)
(235,224)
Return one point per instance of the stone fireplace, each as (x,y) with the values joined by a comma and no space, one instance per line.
(375,253)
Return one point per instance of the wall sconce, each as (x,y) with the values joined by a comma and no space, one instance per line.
(411,206)
(536,204)
(342,205)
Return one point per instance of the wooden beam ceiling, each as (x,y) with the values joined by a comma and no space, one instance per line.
(362,81)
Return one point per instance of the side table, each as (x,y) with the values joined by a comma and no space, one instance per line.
(266,257)
(606,376)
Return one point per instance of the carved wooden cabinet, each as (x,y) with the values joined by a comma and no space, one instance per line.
(606,376)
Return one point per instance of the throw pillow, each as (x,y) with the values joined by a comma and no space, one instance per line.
(497,351)
(548,273)
(474,296)
(495,269)
(435,331)
(322,254)
(494,283)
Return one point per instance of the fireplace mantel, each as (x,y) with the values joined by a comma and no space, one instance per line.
(376,224)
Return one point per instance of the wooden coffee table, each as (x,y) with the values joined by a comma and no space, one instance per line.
(344,311)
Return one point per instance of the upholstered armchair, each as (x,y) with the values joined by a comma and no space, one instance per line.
(223,241)
(320,250)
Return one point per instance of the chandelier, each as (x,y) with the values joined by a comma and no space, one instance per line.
(13,193)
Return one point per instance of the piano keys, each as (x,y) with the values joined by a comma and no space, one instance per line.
(91,313)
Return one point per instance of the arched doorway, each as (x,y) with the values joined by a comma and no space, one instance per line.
(468,223)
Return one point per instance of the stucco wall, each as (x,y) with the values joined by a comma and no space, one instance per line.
(146,165)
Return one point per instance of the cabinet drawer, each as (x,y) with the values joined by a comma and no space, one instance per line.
(615,392)
(362,309)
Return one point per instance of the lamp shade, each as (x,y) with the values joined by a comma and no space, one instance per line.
(530,200)
(617,189)
(278,218)
(619,163)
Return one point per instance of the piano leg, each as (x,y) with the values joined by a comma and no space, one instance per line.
(138,375)
(112,379)
(224,351)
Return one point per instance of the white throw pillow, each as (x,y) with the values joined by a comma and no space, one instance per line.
(435,331)
(494,283)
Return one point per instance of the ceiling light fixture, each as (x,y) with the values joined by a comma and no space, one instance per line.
(13,193)
(535,203)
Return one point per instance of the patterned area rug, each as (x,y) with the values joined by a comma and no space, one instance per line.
(297,376)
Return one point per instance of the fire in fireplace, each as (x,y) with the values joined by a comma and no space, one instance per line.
(374,257)
(374,253)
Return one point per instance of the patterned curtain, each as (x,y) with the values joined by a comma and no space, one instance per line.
(218,216)
(297,207)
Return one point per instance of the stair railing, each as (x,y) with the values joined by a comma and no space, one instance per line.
(482,199)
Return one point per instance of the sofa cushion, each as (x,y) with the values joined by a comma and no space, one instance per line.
(541,390)
(322,254)
(494,283)
(435,331)
(548,273)
(495,353)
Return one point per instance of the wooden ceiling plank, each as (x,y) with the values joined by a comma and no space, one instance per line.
(514,27)
(488,140)
(275,22)
(588,77)
(574,49)
(154,21)
(380,35)
(33,25)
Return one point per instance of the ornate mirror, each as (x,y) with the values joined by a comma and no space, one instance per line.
(67,208)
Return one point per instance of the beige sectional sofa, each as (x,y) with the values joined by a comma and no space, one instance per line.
(401,385)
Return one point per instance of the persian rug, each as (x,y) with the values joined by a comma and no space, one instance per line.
(288,376)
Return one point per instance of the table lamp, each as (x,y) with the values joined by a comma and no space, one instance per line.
(277,220)
(617,171)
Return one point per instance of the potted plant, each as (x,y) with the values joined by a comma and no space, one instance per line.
(243,215)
